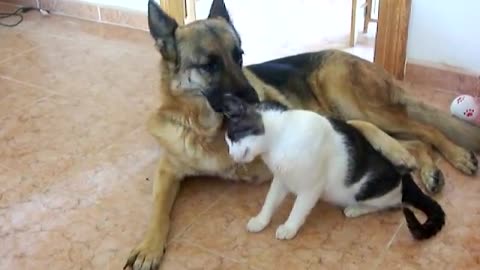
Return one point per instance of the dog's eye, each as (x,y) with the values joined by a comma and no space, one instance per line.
(238,56)
(210,67)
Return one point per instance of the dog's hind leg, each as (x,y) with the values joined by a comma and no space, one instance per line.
(385,144)
(397,121)
(430,174)
(409,154)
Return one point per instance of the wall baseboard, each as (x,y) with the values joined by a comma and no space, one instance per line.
(444,77)
(89,11)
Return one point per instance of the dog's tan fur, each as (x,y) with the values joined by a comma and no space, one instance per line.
(335,84)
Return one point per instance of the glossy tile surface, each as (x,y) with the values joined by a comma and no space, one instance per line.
(76,166)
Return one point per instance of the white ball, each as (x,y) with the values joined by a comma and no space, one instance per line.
(466,108)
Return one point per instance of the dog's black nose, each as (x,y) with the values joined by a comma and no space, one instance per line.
(215,99)
(248,94)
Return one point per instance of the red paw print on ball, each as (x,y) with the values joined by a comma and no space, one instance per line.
(469,112)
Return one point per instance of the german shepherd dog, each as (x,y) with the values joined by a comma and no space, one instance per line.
(202,61)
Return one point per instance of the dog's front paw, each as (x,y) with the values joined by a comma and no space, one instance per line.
(147,255)
(256,224)
(432,178)
(285,232)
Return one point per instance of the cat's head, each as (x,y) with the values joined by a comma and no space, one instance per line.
(245,134)
(245,129)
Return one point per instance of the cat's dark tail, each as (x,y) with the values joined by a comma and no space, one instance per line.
(413,195)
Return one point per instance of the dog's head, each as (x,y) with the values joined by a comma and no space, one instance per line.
(206,55)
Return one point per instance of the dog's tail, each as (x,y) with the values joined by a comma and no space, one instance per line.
(460,132)
(413,195)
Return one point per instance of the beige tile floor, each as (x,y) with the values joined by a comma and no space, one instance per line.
(75,159)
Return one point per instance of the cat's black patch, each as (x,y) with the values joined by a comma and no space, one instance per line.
(237,130)
(383,182)
(245,120)
(242,119)
(246,124)
(365,160)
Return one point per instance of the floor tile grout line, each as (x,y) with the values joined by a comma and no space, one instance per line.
(21,110)
(5,167)
(179,235)
(434,88)
(43,88)
(93,36)
(49,95)
(35,33)
(26,83)
(113,144)
(83,19)
(73,167)
(4,61)
(389,244)
(215,253)
(98,152)
(34,102)
(8,78)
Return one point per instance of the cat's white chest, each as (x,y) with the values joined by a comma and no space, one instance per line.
(299,164)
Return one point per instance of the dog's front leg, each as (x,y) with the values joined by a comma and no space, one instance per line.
(148,254)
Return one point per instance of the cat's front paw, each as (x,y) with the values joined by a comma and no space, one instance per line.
(256,224)
(354,211)
(285,232)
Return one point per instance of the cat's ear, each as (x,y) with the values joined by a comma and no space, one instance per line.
(233,106)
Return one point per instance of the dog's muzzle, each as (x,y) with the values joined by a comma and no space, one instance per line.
(248,95)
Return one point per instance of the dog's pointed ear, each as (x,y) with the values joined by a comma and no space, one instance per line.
(233,107)
(162,28)
(218,9)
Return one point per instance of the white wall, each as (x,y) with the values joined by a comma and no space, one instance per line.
(276,28)
(445,32)
(139,5)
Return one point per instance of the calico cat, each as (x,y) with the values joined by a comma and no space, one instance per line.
(315,158)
